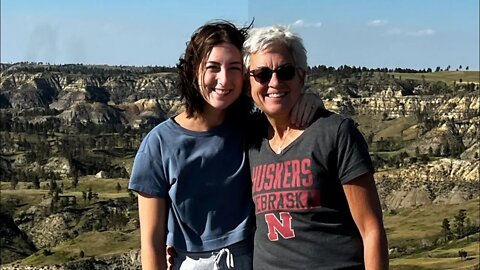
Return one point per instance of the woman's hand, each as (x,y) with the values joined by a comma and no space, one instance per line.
(304,110)
(170,256)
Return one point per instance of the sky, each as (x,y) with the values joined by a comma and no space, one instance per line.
(417,34)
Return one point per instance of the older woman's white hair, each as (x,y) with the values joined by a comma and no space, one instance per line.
(261,38)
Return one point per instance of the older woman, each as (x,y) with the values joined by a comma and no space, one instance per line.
(316,203)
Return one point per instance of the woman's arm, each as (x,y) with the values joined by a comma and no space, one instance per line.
(152,212)
(366,211)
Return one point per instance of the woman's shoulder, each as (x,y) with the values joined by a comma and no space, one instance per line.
(325,117)
(160,132)
(163,127)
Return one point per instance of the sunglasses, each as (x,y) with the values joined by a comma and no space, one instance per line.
(263,75)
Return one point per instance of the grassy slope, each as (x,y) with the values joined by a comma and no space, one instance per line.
(416,226)
(386,129)
(425,222)
(106,189)
(93,244)
(446,76)
(402,131)
(440,258)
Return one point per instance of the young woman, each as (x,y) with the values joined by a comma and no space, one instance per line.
(194,165)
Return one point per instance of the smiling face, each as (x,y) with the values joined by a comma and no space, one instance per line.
(275,97)
(221,77)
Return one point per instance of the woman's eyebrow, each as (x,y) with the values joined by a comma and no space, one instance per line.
(230,63)
(236,62)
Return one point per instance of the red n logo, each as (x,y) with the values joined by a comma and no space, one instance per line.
(282,226)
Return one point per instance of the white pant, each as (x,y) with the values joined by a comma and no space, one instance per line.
(236,256)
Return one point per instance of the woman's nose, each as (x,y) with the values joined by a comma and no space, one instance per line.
(274,81)
(222,76)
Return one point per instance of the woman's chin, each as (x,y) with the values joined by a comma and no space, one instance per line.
(220,106)
(277,110)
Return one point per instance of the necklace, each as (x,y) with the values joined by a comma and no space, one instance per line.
(283,140)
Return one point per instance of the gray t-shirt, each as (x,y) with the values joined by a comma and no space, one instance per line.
(303,218)
(205,178)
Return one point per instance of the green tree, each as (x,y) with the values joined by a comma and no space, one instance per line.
(53,186)
(84,196)
(384,116)
(14,183)
(89,194)
(119,187)
(446,149)
(369,138)
(36,182)
(75,179)
(446,231)
(460,223)
(53,206)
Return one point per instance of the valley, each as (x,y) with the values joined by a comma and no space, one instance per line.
(68,136)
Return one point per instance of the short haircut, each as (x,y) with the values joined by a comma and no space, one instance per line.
(261,38)
(198,49)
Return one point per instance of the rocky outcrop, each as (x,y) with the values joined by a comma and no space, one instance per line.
(472,153)
(96,113)
(88,98)
(441,181)
(57,165)
(52,230)
(49,230)
(437,139)
(410,198)
(394,106)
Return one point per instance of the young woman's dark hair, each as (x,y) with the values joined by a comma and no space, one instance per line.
(197,51)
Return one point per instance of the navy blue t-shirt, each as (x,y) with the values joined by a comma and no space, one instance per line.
(204,176)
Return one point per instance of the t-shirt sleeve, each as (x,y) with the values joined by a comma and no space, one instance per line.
(148,175)
(353,158)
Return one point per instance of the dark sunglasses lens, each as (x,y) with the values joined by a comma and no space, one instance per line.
(264,75)
(286,73)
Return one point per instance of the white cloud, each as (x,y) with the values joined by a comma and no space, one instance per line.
(418,33)
(421,33)
(399,31)
(377,22)
(298,23)
(301,23)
